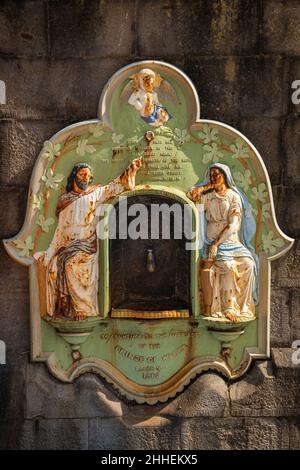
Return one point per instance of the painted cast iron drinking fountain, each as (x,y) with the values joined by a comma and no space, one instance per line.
(149,236)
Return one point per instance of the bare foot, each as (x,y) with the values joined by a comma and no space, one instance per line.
(231,316)
(79,316)
(58,316)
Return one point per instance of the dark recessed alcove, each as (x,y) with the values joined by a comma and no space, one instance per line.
(132,286)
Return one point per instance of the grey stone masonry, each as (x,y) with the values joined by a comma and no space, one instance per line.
(55,58)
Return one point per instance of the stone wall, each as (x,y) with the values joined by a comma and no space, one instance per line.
(55,57)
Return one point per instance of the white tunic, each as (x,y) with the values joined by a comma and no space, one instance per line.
(232,280)
(77,221)
(219,209)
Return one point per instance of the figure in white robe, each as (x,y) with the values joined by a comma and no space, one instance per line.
(228,233)
(72,257)
(145,99)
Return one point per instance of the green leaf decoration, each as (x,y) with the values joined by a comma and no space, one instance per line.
(209,134)
(96,129)
(24,246)
(45,223)
(260,193)
(83,148)
(266,208)
(211,153)
(37,201)
(181,136)
(51,180)
(117,138)
(239,149)
(243,180)
(50,150)
(270,244)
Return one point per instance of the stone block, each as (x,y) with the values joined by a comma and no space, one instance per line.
(23,30)
(54,434)
(280,331)
(281,27)
(263,87)
(216,82)
(288,214)
(291,145)
(234,434)
(12,275)
(295,321)
(197,28)
(20,144)
(293,92)
(87,397)
(286,269)
(55,89)
(13,201)
(276,191)
(10,434)
(282,359)
(112,434)
(264,392)
(295,435)
(91,28)
(264,134)
(14,312)
(206,396)
(12,385)
(232,89)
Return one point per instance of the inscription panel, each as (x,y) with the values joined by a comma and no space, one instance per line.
(152,357)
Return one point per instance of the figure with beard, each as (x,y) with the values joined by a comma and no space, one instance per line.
(71,260)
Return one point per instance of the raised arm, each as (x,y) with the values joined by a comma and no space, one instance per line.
(196,192)
(126,181)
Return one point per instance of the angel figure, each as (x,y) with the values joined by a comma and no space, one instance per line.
(145,99)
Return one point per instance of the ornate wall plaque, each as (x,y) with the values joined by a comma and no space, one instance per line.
(149,236)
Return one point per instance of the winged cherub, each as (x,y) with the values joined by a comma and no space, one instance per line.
(145,99)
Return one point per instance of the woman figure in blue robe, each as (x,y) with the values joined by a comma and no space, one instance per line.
(229,227)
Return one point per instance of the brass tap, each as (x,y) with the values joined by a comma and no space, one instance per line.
(150,261)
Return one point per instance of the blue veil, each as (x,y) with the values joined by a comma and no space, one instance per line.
(248,224)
